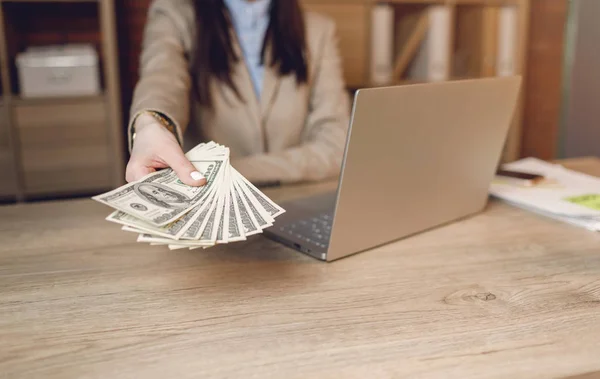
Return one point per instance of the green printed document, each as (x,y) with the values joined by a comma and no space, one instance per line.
(591,201)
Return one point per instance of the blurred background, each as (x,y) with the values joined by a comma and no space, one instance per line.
(68,69)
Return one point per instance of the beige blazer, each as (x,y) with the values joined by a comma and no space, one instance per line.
(291,134)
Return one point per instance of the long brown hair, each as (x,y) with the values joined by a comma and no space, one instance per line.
(215,55)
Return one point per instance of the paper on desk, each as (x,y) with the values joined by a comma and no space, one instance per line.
(564,194)
(591,223)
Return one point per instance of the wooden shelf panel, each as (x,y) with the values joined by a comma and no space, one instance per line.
(68,100)
(64,145)
(455,2)
(353,28)
(8,179)
(61,143)
(68,181)
(49,1)
(30,24)
(424,2)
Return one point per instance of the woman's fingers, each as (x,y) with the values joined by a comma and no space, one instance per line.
(136,171)
(155,148)
(184,169)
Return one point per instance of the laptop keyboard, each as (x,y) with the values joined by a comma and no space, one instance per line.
(315,230)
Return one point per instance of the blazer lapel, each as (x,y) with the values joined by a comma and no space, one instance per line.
(243,82)
(257,110)
(271,83)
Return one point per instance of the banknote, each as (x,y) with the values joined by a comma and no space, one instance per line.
(267,204)
(161,198)
(249,223)
(164,212)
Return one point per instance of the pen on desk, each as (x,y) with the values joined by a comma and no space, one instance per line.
(519,177)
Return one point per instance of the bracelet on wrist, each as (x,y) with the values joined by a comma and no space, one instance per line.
(164,121)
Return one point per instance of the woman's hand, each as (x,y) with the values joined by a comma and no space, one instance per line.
(155,148)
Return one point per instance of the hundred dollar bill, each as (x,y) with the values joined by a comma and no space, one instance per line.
(170,231)
(143,237)
(223,233)
(126,228)
(205,150)
(161,198)
(176,230)
(217,232)
(237,230)
(194,229)
(210,226)
(163,211)
(197,229)
(249,223)
(262,219)
(177,247)
(267,204)
(232,226)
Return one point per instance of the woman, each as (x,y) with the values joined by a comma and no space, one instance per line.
(258,76)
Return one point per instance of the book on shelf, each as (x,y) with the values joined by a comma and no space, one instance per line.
(382,44)
(507,41)
(432,61)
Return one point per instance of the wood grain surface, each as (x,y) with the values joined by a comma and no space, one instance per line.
(505,294)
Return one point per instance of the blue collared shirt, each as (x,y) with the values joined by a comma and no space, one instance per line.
(250,21)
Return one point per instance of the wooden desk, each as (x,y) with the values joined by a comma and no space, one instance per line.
(506,294)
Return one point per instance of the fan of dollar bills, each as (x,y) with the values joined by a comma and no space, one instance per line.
(165,211)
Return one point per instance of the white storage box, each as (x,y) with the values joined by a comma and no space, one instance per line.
(56,71)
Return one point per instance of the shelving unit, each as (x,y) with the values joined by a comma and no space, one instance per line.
(473,41)
(8,182)
(59,146)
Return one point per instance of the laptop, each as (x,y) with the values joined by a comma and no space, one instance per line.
(417,157)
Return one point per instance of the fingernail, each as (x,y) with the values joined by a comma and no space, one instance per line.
(197,176)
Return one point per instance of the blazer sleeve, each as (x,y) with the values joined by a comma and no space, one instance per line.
(164,83)
(320,153)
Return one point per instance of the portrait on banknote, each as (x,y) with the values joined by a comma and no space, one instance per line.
(162,196)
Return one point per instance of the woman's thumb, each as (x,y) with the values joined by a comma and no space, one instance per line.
(184,169)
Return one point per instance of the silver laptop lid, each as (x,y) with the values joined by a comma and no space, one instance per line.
(419,156)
